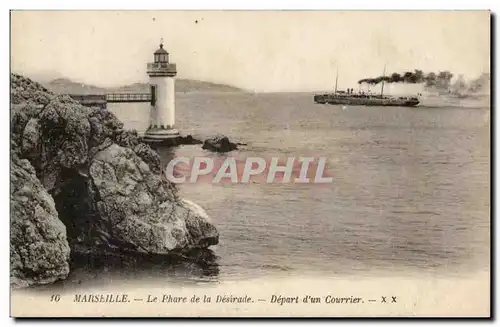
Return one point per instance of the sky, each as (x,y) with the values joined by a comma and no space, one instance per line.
(263,51)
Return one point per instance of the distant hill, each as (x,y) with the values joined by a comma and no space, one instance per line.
(67,86)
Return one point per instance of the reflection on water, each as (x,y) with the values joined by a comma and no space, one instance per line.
(197,266)
(410,191)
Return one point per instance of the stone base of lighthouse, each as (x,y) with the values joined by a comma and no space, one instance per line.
(158,134)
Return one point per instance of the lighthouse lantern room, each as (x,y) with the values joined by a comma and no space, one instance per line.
(162,83)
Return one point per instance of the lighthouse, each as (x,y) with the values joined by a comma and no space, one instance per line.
(162,87)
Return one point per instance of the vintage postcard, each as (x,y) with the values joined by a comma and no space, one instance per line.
(250,163)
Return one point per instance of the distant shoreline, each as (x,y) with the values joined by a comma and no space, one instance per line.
(68,86)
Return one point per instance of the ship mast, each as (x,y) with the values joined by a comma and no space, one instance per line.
(382,90)
(336,80)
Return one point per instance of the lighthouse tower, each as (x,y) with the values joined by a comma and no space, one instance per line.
(162,84)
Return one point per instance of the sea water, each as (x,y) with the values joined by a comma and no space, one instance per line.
(410,192)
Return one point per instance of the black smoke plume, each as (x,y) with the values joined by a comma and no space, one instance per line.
(440,80)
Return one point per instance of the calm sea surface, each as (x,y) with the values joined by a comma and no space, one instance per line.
(410,194)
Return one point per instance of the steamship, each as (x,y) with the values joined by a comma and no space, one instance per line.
(349,97)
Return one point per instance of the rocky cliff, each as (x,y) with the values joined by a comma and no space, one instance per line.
(80,181)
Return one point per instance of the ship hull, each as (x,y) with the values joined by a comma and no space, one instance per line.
(366,101)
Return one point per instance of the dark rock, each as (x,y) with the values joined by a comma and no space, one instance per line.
(173,141)
(23,90)
(127,138)
(135,207)
(105,125)
(219,144)
(39,251)
(149,156)
(191,140)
